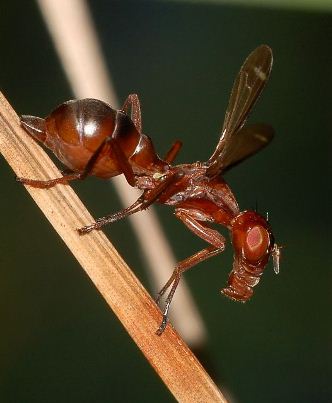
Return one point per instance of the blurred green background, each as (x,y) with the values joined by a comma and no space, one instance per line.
(59,342)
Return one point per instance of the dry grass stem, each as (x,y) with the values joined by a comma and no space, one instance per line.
(169,355)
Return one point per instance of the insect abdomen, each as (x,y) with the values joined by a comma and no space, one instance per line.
(240,286)
(75,130)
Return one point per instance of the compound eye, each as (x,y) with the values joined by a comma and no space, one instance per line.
(257,243)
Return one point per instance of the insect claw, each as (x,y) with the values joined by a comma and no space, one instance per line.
(30,182)
(86,229)
(157,300)
(25,180)
(162,327)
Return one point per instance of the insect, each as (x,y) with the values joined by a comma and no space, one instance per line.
(91,138)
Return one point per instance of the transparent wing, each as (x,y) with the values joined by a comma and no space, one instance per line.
(247,87)
(248,141)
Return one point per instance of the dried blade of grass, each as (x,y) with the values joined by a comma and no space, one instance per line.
(171,358)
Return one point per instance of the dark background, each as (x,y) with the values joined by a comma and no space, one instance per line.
(58,339)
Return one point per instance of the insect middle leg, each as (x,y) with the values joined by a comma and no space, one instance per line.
(213,237)
(144,201)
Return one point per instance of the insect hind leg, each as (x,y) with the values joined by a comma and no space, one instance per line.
(174,280)
(211,236)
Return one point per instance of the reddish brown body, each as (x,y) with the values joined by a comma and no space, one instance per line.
(91,138)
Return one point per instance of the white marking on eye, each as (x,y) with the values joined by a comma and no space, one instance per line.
(259,73)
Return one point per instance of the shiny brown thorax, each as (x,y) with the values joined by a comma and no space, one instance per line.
(212,199)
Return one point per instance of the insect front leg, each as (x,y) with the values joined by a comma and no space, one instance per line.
(190,219)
